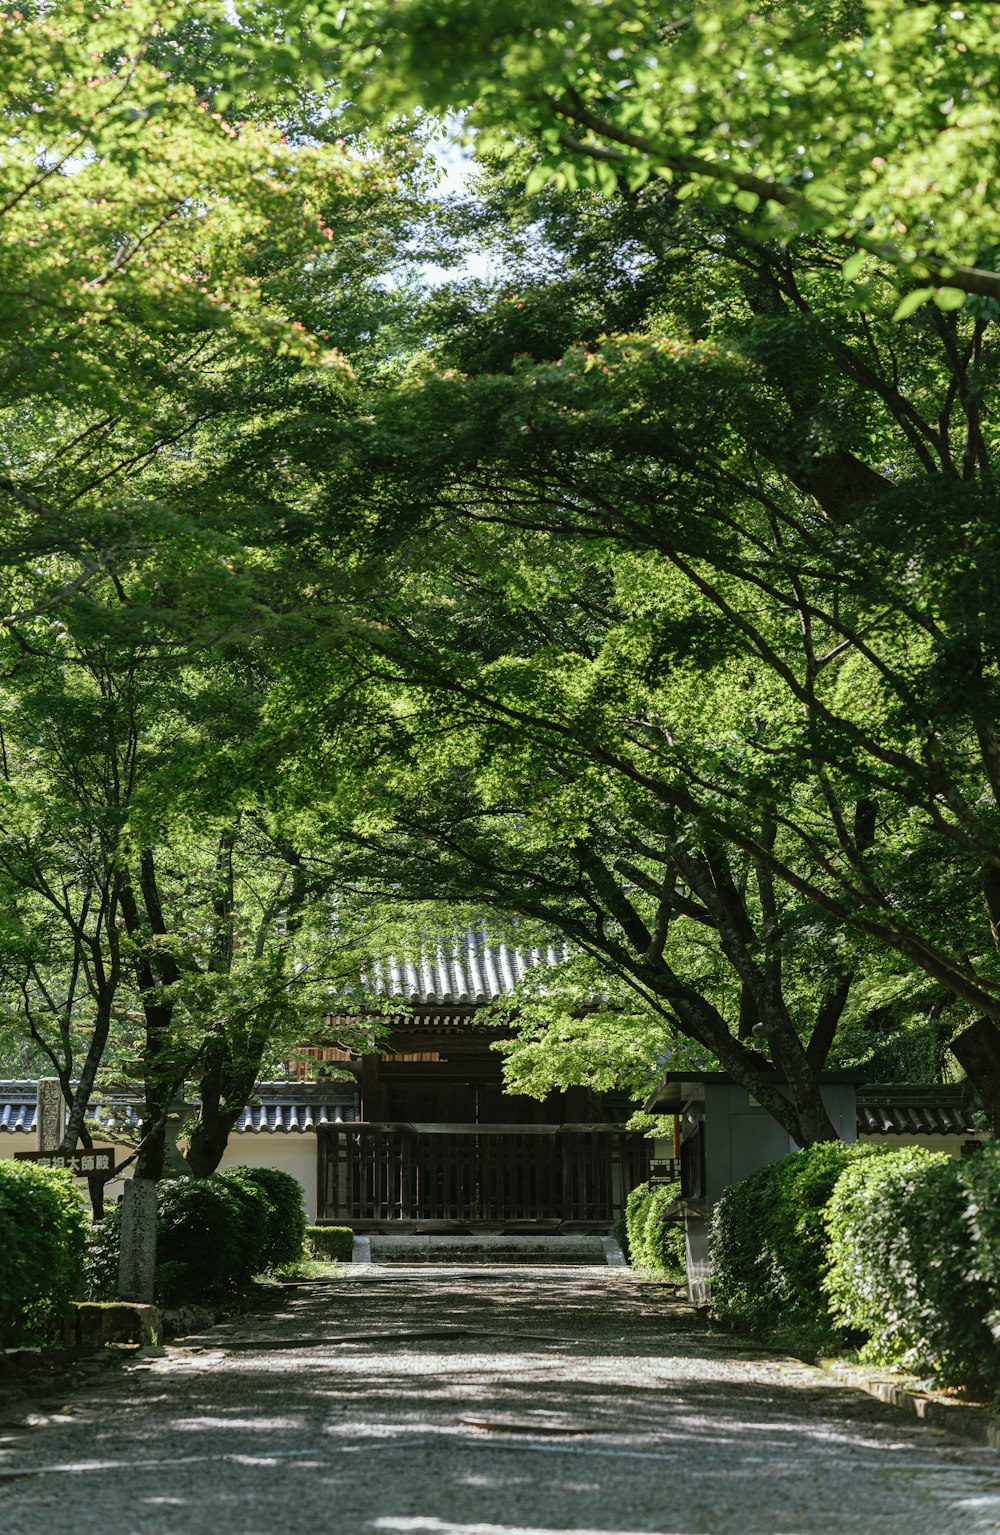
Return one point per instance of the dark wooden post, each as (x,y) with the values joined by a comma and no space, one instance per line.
(374,1099)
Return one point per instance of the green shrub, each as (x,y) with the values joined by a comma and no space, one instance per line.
(282,1235)
(662,1239)
(635,1219)
(336,1242)
(101,1257)
(769,1244)
(42,1244)
(207,1233)
(904,1270)
(208,1241)
(654,1244)
(980,1175)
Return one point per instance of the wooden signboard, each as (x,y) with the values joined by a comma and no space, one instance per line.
(664,1170)
(84,1164)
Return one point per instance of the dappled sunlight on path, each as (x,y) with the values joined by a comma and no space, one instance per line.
(481,1402)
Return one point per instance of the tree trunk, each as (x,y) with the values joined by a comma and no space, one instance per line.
(149,1162)
(799,1110)
(153,970)
(209,1140)
(95,1188)
(79,1101)
(828,1018)
(224,1088)
(977,1050)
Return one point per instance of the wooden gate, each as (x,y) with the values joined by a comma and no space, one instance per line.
(377,1174)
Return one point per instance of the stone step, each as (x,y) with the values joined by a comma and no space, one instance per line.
(586,1250)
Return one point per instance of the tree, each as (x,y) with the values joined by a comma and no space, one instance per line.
(158,273)
(490,764)
(684,630)
(852,118)
(773,636)
(171,279)
(161,919)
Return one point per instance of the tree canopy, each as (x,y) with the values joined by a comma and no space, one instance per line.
(664,625)
(646,594)
(172,278)
(868,123)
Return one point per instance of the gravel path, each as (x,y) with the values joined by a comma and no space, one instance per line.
(392,1401)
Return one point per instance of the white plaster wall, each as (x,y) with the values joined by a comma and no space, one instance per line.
(14,1140)
(951,1144)
(17,1140)
(295,1154)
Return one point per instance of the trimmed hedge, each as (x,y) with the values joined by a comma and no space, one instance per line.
(207,1238)
(334,1242)
(212,1236)
(42,1245)
(768,1240)
(284,1231)
(914,1258)
(653,1243)
(901,1249)
(981,1178)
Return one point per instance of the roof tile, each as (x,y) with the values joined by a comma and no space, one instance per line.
(468,970)
(278,1108)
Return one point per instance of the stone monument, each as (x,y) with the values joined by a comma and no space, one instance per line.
(50,1124)
(137,1254)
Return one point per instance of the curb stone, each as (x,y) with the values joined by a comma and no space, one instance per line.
(977,1424)
(963,1419)
(613,1255)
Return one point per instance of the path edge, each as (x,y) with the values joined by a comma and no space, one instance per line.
(967,1422)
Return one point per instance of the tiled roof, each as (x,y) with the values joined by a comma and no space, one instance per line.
(423,1021)
(278,1108)
(295,1115)
(914,1109)
(18,1108)
(297,1108)
(465,970)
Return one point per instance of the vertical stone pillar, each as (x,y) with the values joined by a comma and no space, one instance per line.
(51,1121)
(137,1254)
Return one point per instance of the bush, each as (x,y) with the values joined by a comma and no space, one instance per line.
(654,1243)
(42,1244)
(207,1232)
(769,1244)
(281,1238)
(980,1174)
(208,1241)
(336,1242)
(635,1220)
(904,1269)
(101,1257)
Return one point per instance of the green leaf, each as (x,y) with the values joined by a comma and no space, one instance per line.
(949,298)
(852,266)
(912,302)
(536,178)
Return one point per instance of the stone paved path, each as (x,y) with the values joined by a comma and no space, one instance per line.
(481,1402)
